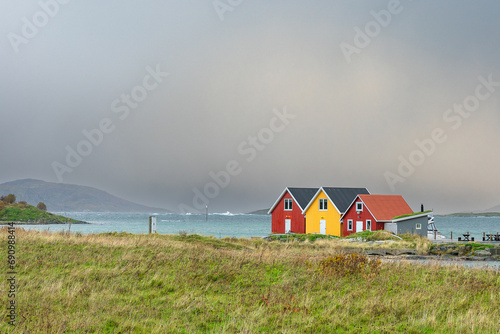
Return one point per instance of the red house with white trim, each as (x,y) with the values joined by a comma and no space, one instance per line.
(287,216)
(372,212)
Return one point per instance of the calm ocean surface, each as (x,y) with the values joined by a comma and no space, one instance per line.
(219,225)
(222,225)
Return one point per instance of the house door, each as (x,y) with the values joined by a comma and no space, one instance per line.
(359,226)
(288,225)
(322,226)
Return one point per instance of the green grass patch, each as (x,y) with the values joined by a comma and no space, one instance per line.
(411,214)
(373,236)
(300,237)
(477,246)
(474,246)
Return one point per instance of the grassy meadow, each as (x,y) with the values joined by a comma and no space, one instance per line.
(125,283)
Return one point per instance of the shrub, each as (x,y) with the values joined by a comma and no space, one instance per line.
(41,206)
(10,199)
(343,265)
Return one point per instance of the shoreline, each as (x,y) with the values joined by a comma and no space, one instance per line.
(4,222)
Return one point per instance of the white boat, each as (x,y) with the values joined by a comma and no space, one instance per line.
(432,231)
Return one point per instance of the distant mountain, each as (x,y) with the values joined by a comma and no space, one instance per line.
(493,209)
(61,197)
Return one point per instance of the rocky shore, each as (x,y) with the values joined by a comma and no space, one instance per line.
(464,252)
(399,249)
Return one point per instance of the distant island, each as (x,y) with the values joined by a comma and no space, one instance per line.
(472,214)
(23,213)
(259,212)
(61,197)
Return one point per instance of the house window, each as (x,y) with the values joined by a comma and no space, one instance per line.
(323,204)
(419,226)
(368,225)
(349,224)
(359,206)
(288,204)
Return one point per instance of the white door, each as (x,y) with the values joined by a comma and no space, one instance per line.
(288,225)
(322,226)
(359,226)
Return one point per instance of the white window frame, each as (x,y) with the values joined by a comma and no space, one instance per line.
(369,221)
(349,224)
(290,201)
(359,206)
(418,226)
(325,204)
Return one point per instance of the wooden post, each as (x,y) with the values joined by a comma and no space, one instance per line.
(451,235)
(152,224)
(206,213)
(435,234)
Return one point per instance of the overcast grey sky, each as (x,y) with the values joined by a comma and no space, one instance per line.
(280,93)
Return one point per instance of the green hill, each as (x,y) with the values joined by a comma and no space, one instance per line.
(259,212)
(61,197)
(25,213)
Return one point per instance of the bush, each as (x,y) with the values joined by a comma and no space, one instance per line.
(349,265)
(41,206)
(10,199)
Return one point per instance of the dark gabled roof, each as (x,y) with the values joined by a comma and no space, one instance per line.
(343,197)
(303,195)
(300,195)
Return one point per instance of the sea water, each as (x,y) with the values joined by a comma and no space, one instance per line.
(219,225)
(228,224)
(476,226)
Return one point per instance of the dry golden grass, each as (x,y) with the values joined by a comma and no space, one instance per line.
(124,283)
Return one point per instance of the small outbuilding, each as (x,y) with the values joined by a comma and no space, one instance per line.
(383,212)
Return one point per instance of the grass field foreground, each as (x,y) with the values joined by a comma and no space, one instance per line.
(125,283)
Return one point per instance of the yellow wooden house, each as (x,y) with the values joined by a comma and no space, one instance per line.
(326,207)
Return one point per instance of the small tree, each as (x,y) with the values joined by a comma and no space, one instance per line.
(10,199)
(41,206)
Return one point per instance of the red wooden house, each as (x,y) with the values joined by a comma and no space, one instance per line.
(287,213)
(372,212)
